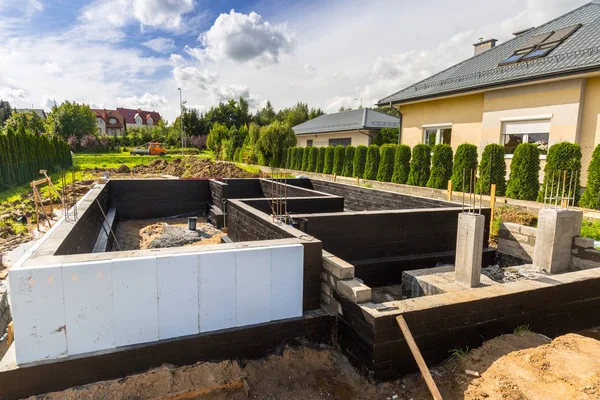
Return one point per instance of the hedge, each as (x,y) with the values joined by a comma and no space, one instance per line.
(523,183)
(372,162)
(492,170)
(321,159)
(401,164)
(591,196)
(562,157)
(465,160)
(338,159)
(312,159)
(304,165)
(358,164)
(419,165)
(329,155)
(289,160)
(298,155)
(348,161)
(387,153)
(441,166)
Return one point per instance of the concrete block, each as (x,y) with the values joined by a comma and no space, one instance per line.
(88,306)
(135,302)
(287,267)
(253,286)
(586,243)
(469,249)
(217,291)
(528,231)
(354,290)
(338,267)
(554,239)
(36,297)
(177,279)
(325,288)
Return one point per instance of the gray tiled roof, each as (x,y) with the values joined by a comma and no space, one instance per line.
(363,118)
(579,52)
(38,111)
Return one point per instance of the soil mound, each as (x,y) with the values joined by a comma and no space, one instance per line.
(193,167)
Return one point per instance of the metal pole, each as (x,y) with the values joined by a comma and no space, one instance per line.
(181,121)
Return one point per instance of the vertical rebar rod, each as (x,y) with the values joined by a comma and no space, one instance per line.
(546,191)
(563,189)
(576,186)
(463,191)
(551,199)
(570,190)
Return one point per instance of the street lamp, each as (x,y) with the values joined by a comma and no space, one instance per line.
(181,121)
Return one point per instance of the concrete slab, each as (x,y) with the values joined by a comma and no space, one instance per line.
(431,281)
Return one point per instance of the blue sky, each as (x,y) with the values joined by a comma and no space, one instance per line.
(136,53)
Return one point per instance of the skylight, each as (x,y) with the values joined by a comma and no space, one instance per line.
(540,45)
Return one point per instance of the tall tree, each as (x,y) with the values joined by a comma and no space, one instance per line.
(265,115)
(30,121)
(71,119)
(5,111)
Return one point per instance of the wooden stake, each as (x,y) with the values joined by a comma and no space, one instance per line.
(10,333)
(450,190)
(414,349)
(334,176)
(357,181)
(37,214)
(492,204)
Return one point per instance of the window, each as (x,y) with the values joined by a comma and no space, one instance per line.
(309,143)
(99,120)
(517,132)
(113,131)
(340,142)
(437,135)
(113,120)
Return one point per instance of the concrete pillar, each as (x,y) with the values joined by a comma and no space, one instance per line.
(469,248)
(555,231)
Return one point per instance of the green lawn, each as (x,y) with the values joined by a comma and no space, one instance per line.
(115,160)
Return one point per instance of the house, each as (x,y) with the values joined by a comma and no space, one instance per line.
(542,86)
(138,118)
(41,113)
(109,122)
(354,127)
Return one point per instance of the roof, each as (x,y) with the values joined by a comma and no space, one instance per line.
(130,113)
(578,53)
(107,114)
(38,111)
(363,118)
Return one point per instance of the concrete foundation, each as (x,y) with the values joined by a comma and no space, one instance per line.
(555,232)
(431,281)
(469,249)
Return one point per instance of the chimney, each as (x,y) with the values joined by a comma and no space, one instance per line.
(484,45)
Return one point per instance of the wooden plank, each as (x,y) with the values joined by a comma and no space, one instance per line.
(38,182)
(10,333)
(414,349)
(492,204)
(450,190)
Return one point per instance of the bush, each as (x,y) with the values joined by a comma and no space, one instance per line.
(419,165)
(348,161)
(372,162)
(465,160)
(441,166)
(591,196)
(492,169)
(198,141)
(523,183)
(289,160)
(321,159)
(304,165)
(298,154)
(338,159)
(188,151)
(401,164)
(358,164)
(312,159)
(387,153)
(329,155)
(386,136)
(561,157)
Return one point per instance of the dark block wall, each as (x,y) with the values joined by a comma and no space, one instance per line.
(156,198)
(269,188)
(218,192)
(82,237)
(240,188)
(304,205)
(359,198)
(361,236)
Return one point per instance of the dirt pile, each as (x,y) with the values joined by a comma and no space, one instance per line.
(192,167)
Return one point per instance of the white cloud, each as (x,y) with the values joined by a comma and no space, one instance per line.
(8,93)
(194,76)
(245,38)
(161,13)
(160,44)
(52,68)
(145,101)
(225,93)
(48,101)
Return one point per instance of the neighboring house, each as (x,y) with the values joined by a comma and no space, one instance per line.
(38,111)
(138,118)
(109,122)
(542,86)
(355,127)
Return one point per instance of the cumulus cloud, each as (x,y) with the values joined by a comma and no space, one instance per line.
(228,92)
(52,68)
(48,102)
(194,76)
(245,38)
(11,93)
(160,44)
(147,100)
(163,13)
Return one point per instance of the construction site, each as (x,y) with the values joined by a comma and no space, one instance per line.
(210,287)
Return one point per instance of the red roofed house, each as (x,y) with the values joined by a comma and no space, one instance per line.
(110,122)
(138,118)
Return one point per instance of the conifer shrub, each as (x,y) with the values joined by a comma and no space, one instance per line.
(591,196)
(329,155)
(348,161)
(563,156)
(523,183)
(312,159)
(321,159)
(372,162)
(465,160)
(338,159)
(298,155)
(387,153)
(304,165)
(492,170)
(420,165)
(358,164)
(401,164)
(441,166)
(289,160)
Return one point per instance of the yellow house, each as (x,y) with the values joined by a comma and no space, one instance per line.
(346,128)
(542,86)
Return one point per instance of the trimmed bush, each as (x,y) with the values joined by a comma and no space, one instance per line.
(492,169)
(321,159)
(441,166)
(372,162)
(401,164)
(348,161)
(298,155)
(304,165)
(419,165)
(358,164)
(338,159)
(329,155)
(561,157)
(524,183)
(465,160)
(312,159)
(591,196)
(387,152)
(289,160)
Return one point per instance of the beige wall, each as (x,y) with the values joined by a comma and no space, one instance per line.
(322,139)
(590,124)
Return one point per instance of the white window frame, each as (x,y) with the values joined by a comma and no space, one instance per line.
(438,128)
(529,118)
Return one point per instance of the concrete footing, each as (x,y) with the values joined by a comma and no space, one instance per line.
(555,232)
(469,249)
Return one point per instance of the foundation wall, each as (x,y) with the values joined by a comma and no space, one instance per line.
(270,188)
(302,205)
(239,188)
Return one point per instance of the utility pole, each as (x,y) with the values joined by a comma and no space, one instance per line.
(181,121)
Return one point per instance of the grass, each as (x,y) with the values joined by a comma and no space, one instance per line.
(460,353)
(590,229)
(115,160)
(522,329)
(248,168)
